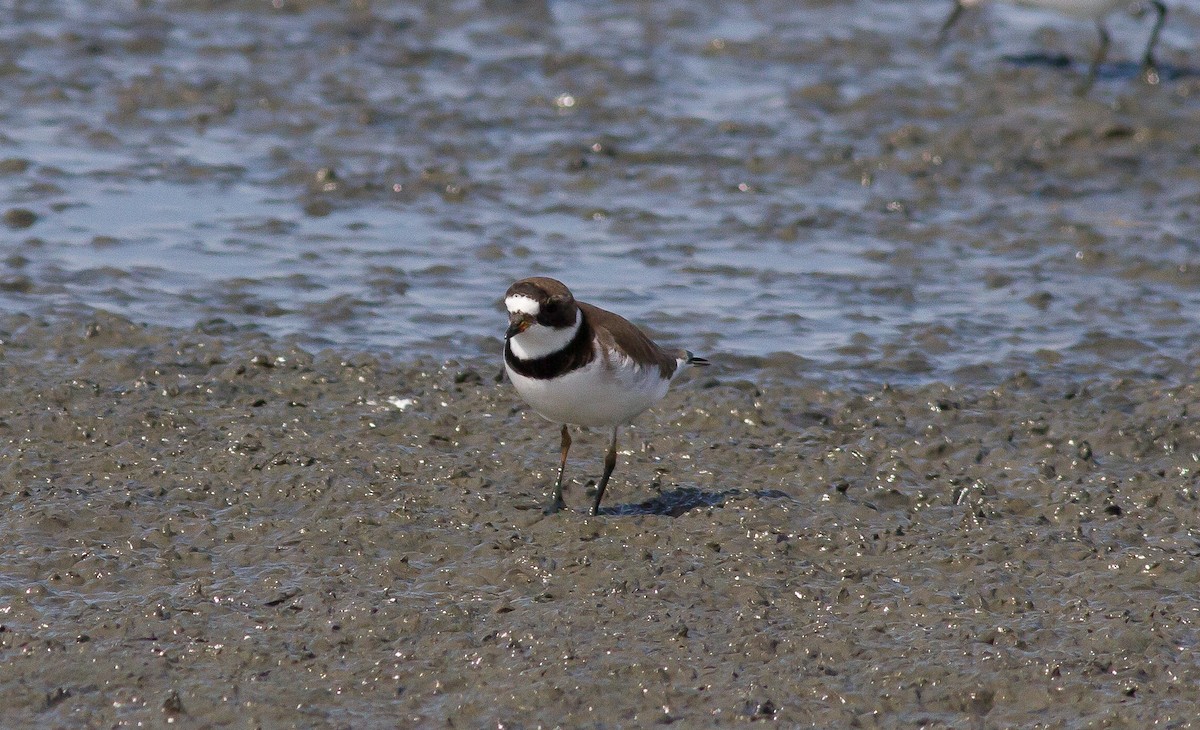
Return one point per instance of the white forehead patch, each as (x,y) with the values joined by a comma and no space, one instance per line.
(523,304)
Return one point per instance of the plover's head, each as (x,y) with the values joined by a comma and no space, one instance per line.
(539,302)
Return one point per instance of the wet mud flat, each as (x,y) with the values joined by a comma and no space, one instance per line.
(220,529)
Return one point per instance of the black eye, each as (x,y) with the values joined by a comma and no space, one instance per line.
(556,312)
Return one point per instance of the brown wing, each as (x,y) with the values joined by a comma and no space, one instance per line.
(613,329)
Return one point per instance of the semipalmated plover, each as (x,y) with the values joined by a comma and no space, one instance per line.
(575,363)
(1094,10)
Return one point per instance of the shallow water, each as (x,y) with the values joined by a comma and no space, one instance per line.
(747,178)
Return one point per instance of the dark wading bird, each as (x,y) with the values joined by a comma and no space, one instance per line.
(1094,10)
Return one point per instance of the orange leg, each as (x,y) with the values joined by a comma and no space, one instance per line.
(558,503)
(610,462)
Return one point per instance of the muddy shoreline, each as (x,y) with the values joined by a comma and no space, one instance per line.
(224,530)
(942,472)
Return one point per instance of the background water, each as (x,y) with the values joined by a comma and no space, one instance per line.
(741,178)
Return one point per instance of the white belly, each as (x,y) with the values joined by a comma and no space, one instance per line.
(594,395)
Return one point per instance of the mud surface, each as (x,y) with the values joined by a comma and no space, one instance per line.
(224,530)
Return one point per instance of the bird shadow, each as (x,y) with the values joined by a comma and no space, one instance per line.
(682,500)
(1038,60)
(1108,71)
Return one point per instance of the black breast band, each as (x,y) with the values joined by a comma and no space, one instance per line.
(578,353)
